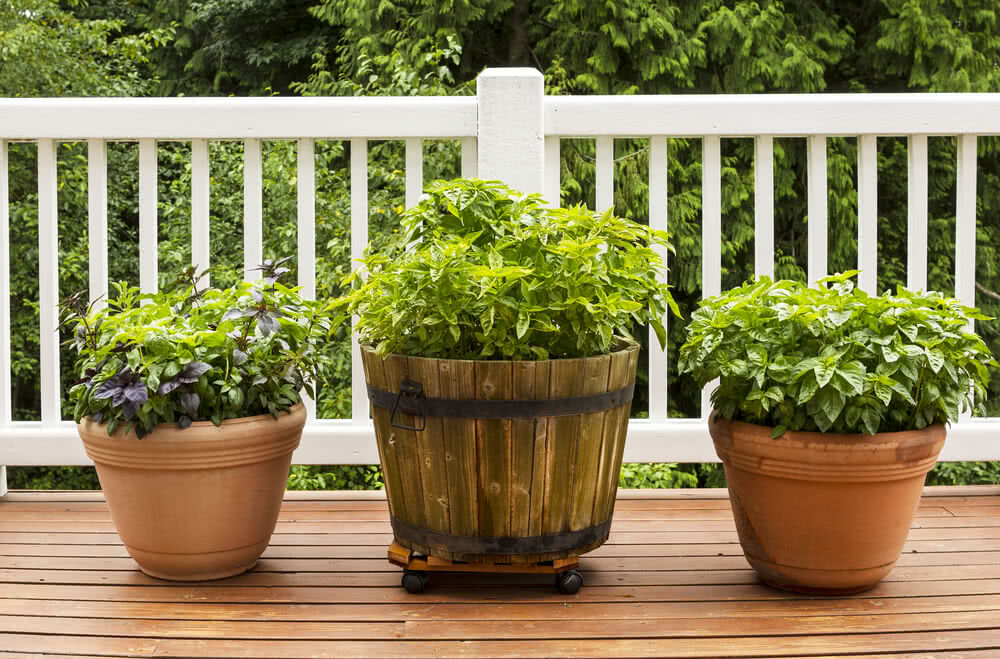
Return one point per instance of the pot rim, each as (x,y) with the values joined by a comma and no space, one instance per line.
(625,345)
(201,424)
(790,434)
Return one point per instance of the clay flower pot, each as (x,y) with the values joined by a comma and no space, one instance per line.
(199,503)
(823,513)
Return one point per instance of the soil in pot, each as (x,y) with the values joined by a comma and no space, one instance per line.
(823,513)
(533,486)
(199,503)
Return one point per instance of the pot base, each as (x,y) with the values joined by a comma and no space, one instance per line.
(198,567)
(818,582)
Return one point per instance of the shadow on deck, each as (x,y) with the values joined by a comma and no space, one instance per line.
(672,582)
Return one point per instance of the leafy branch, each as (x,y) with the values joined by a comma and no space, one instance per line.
(833,358)
(480,271)
(195,354)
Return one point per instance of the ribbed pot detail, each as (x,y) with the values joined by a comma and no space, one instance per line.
(199,503)
(823,512)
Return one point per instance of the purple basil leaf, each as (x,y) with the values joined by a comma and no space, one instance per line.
(98,417)
(168,386)
(107,389)
(239,357)
(190,402)
(233,314)
(280,271)
(140,431)
(119,398)
(267,324)
(129,410)
(257,295)
(195,370)
(184,422)
(136,392)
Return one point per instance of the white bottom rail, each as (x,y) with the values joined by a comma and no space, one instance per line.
(343,442)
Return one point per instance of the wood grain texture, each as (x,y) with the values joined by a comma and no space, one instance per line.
(493,448)
(387,448)
(431,450)
(590,444)
(457,380)
(665,587)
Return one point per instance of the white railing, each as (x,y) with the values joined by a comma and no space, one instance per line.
(510,131)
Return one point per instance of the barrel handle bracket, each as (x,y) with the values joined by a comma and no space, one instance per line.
(409,400)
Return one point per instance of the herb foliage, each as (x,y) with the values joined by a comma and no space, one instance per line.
(195,354)
(833,358)
(481,271)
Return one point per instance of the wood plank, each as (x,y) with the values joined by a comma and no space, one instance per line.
(457,380)
(494,381)
(383,539)
(606,647)
(351,561)
(407,450)
(590,444)
(390,579)
(388,450)
(430,443)
(460,611)
(522,450)
(561,447)
(609,464)
(473,591)
(430,630)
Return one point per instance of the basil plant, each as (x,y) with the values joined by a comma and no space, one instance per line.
(193,354)
(833,358)
(481,271)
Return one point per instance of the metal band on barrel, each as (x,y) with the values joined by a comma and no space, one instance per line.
(500,409)
(468,544)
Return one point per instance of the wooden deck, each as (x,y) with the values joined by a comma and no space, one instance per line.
(672,582)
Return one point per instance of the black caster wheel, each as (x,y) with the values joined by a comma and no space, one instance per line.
(569,582)
(415,582)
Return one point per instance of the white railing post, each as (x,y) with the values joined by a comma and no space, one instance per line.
(6,403)
(511,129)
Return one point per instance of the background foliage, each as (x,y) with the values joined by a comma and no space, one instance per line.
(406,47)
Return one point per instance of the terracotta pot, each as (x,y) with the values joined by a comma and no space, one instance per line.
(199,503)
(822,512)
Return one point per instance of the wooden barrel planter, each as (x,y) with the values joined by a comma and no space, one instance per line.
(501,461)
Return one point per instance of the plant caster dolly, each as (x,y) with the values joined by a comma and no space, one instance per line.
(416,568)
(569,582)
(414,581)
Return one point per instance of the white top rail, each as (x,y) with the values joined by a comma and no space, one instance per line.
(237,118)
(781,115)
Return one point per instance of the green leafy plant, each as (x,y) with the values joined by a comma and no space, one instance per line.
(481,271)
(194,354)
(833,358)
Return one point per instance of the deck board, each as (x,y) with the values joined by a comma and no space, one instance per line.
(671,582)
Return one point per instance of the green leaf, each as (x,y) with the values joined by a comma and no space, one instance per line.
(824,370)
(807,389)
(523,321)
